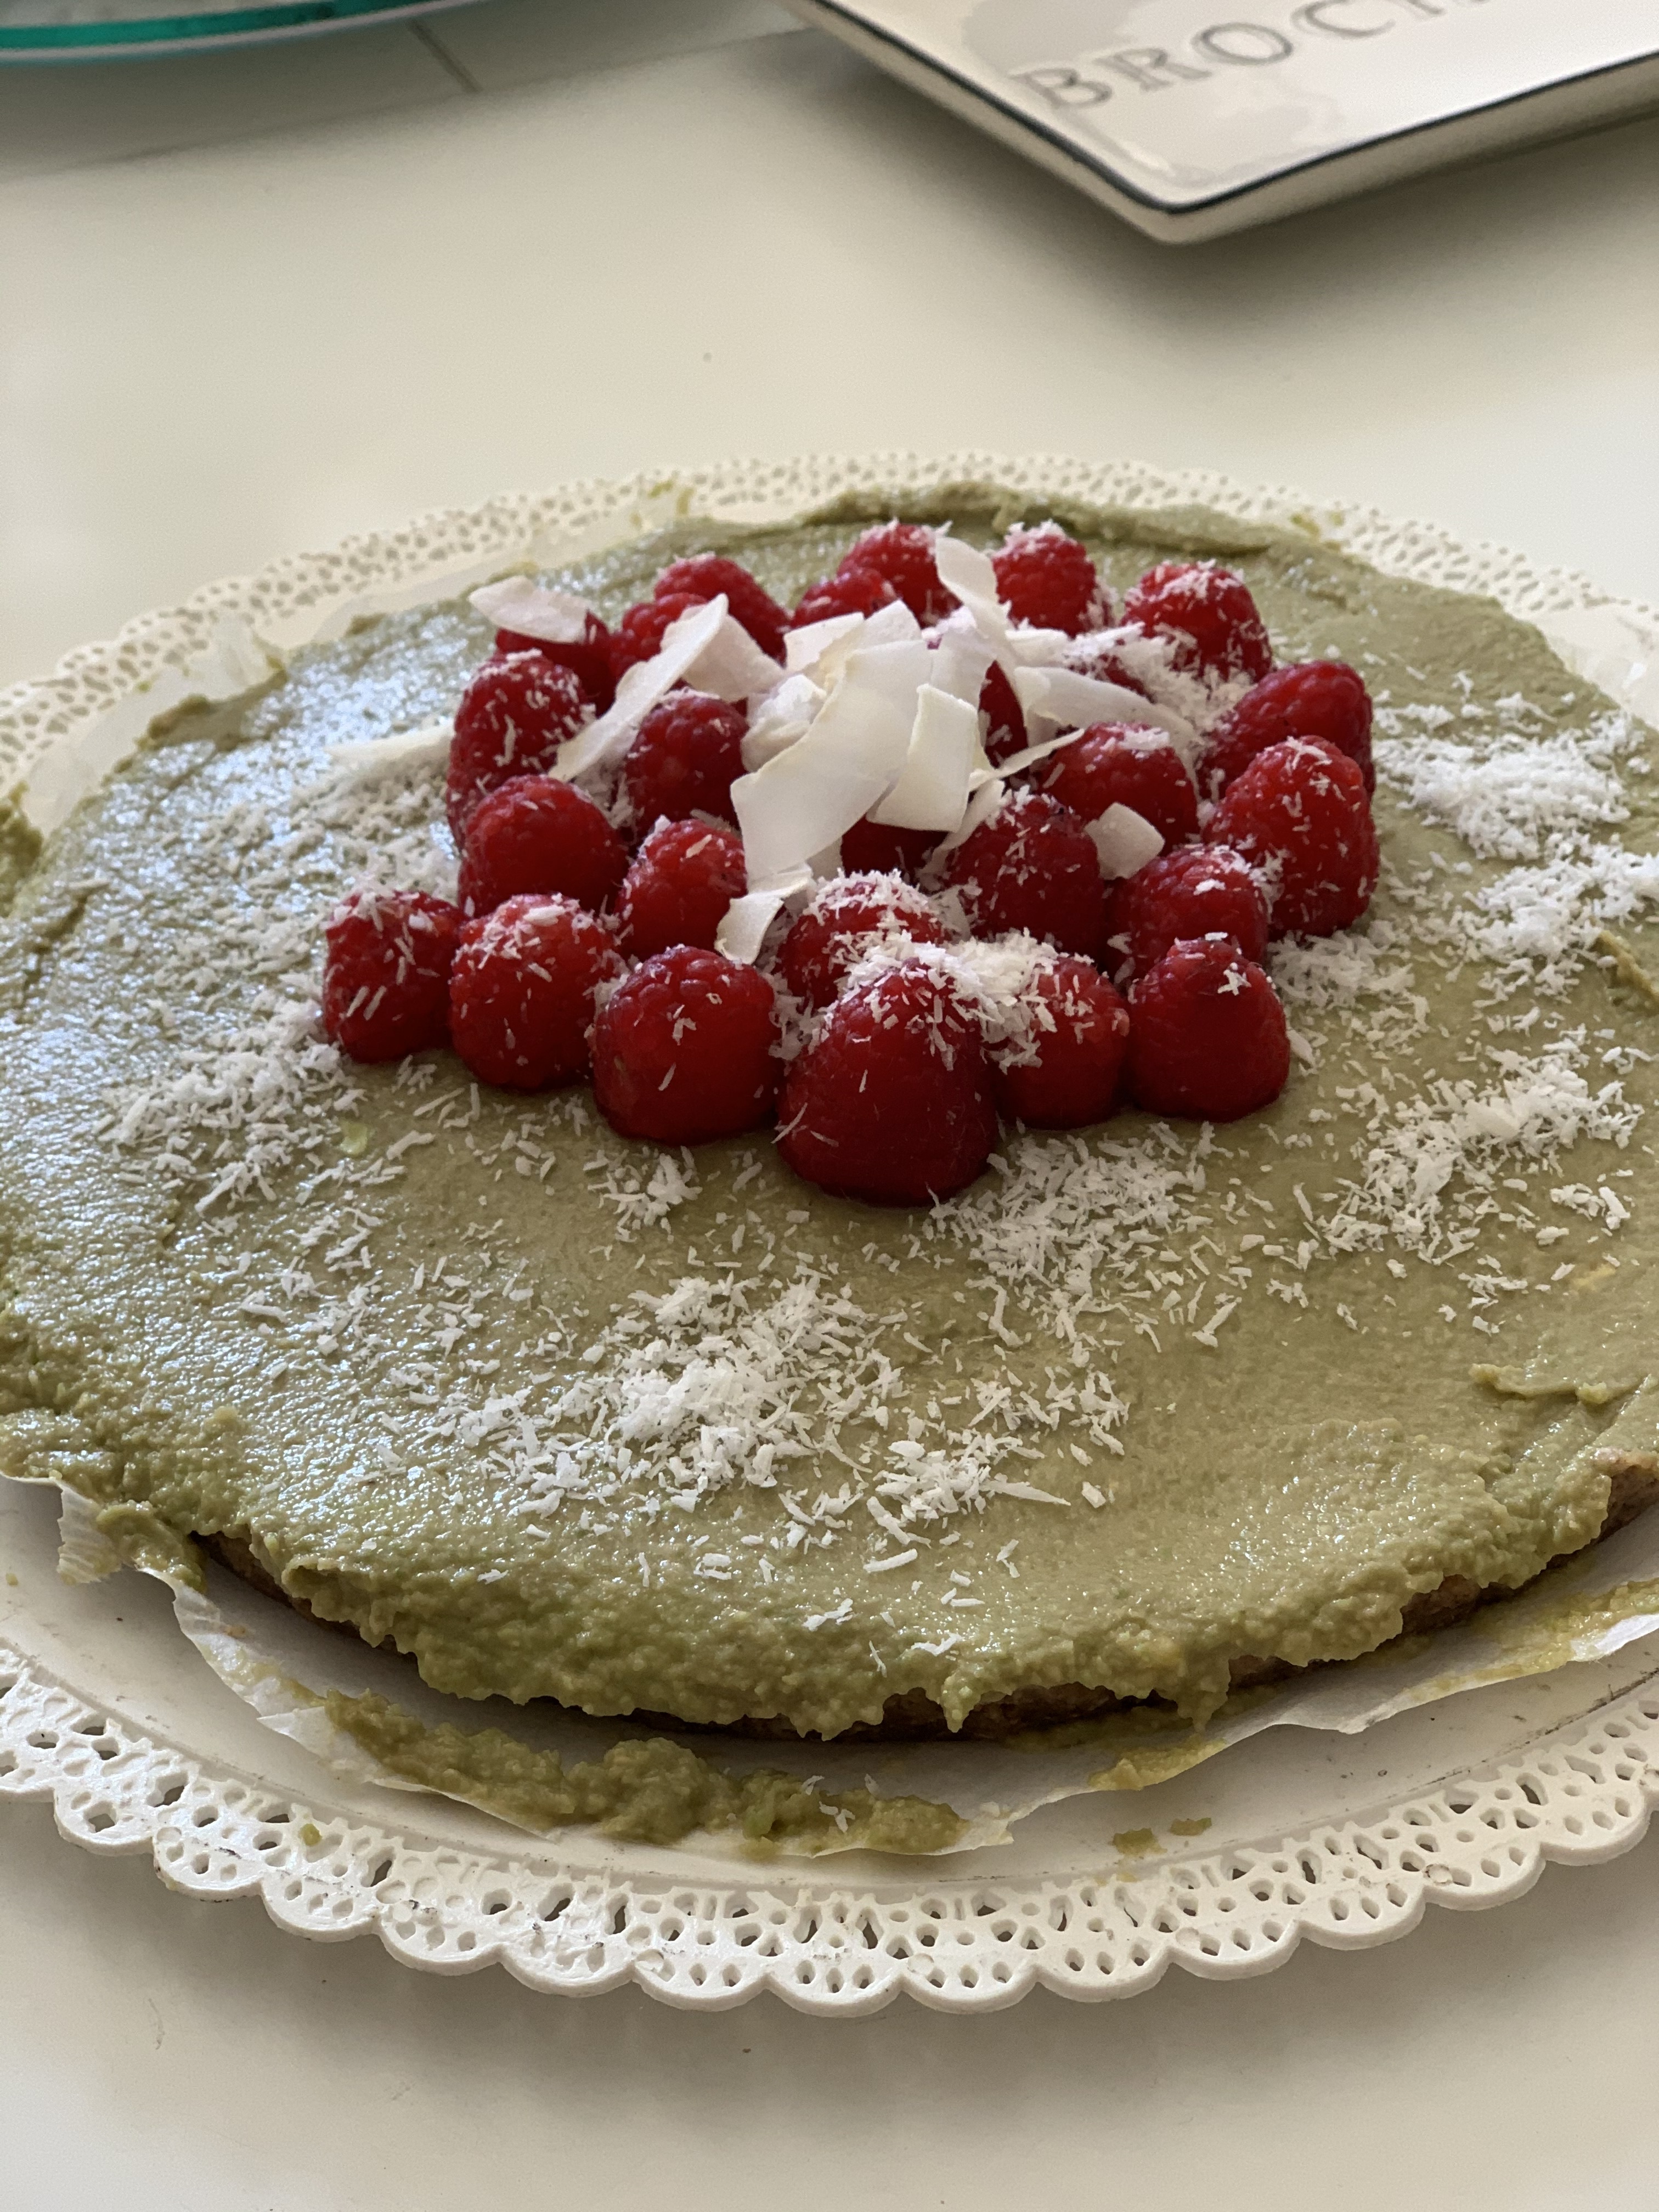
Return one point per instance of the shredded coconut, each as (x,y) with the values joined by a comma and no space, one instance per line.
(1433,1161)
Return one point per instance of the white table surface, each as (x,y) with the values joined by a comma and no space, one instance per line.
(250,304)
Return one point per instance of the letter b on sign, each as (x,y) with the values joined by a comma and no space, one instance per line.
(1063,87)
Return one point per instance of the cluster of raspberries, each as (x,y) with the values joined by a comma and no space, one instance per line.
(571,954)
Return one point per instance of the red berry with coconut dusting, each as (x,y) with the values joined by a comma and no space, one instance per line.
(873,848)
(1299,813)
(1047,579)
(1198,890)
(684,757)
(521,992)
(1207,1039)
(1063,1071)
(685,1049)
(514,717)
(856,588)
(705,576)
(587,658)
(677,891)
(1119,765)
(847,917)
(1110,657)
(1210,614)
(904,553)
(386,973)
(1033,867)
(892,1103)
(1004,717)
(536,834)
(639,635)
(1309,699)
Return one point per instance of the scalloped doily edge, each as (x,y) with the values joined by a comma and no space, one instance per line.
(1583,1794)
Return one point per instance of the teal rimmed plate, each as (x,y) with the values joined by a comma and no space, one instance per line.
(104,30)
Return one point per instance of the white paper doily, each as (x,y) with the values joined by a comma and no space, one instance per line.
(113,1718)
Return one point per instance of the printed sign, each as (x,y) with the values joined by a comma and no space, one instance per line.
(1178,108)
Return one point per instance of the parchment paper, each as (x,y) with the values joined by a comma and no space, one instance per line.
(282,1665)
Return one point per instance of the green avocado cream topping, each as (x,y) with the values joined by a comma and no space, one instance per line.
(673,1433)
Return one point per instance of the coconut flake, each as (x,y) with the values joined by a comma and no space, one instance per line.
(802,647)
(604,742)
(786,712)
(427,747)
(987,794)
(893,624)
(932,787)
(969,576)
(1125,841)
(961,662)
(806,798)
(1055,698)
(533,610)
(732,666)
(744,925)
(828,644)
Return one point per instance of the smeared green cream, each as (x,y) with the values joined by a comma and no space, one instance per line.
(648,1790)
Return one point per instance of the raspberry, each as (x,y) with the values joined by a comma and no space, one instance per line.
(1080,1030)
(1309,699)
(1118,764)
(1103,658)
(1206,1034)
(682,880)
(1199,890)
(521,991)
(705,575)
(1299,814)
(587,658)
(848,914)
(386,974)
(876,848)
(1004,718)
(683,1050)
(893,1103)
(1047,579)
(639,635)
(536,834)
(685,757)
(514,716)
(856,588)
(904,553)
(1033,865)
(1210,613)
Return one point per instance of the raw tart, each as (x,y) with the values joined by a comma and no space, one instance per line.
(1145,1409)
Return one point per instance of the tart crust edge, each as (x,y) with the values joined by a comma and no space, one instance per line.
(911,1715)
